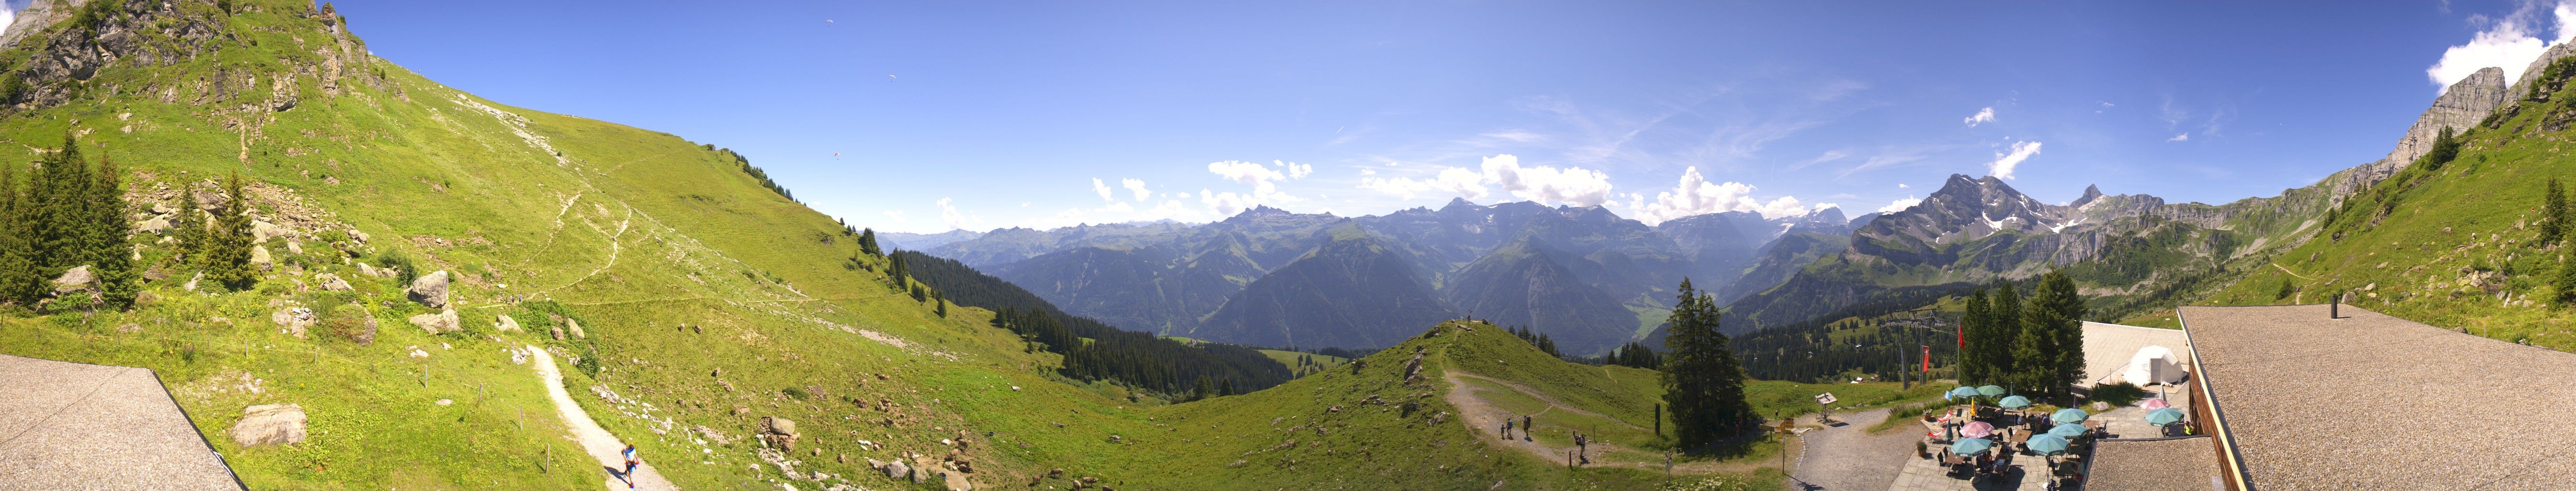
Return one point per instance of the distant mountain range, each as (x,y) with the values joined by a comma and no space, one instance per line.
(1583,275)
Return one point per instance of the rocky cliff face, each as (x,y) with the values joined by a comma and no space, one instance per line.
(2460,107)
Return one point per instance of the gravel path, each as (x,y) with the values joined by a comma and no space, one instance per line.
(1483,419)
(1848,458)
(596,441)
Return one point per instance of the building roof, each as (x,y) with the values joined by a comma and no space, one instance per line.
(2107,348)
(2187,464)
(2369,401)
(82,426)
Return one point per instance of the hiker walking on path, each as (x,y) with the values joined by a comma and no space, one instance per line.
(1582,449)
(1525,427)
(629,475)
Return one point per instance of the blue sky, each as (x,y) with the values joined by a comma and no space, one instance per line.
(923,116)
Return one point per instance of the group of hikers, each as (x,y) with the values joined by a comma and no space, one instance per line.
(1582,443)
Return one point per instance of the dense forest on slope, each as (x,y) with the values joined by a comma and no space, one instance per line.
(1093,350)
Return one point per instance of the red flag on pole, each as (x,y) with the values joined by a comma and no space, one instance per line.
(1927,359)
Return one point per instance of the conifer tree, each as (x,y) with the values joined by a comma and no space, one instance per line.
(940,302)
(227,255)
(868,242)
(1977,362)
(2565,283)
(2553,213)
(110,254)
(188,228)
(2003,313)
(1702,382)
(20,281)
(895,271)
(2053,331)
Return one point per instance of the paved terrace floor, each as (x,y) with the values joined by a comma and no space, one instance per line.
(2370,401)
(80,426)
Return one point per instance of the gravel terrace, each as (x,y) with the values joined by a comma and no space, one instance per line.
(80,426)
(1838,458)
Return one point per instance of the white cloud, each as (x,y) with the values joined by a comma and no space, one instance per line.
(1136,186)
(1986,115)
(955,219)
(1368,172)
(1299,171)
(1181,195)
(2005,162)
(2180,137)
(2510,43)
(1102,188)
(1900,205)
(1694,195)
(1902,186)
(1571,185)
(1227,203)
(1462,182)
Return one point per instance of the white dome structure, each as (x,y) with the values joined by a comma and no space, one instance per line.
(2153,365)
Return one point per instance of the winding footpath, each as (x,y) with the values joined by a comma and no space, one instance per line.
(595,441)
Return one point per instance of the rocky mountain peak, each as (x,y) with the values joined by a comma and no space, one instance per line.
(2091,192)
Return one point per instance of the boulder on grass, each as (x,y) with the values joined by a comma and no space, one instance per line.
(78,278)
(269,424)
(442,322)
(430,289)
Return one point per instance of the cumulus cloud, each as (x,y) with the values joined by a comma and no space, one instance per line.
(1902,186)
(2180,137)
(1900,205)
(955,219)
(2004,162)
(1465,183)
(1102,188)
(1136,186)
(2511,42)
(1982,116)
(1299,171)
(1572,185)
(1694,195)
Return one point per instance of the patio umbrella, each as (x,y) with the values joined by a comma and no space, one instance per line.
(1972,446)
(2046,444)
(2068,415)
(1978,429)
(1963,393)
(2164,416)
(1990,391)
(2069,430)
(2154,404)
(2015,402)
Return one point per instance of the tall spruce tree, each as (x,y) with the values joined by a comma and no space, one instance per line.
(2004,314)
(1702,382)
(2052,326)
(1976,360)
(63,235)
(227,255)
(2553,213)
(188,228)
(868,242)
(21,282)
(110,255)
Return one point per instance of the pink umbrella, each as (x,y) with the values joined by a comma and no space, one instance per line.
(2154,404)
(1977,429)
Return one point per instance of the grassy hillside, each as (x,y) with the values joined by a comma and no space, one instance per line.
(2453,244)
(705,301)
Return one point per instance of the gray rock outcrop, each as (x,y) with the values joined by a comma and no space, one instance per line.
(507,324)
(441,322)
(259,257)
(430,289)
(269,424)
(2463,105)
(575,326)
(333,282)
(78,278)
(296,320)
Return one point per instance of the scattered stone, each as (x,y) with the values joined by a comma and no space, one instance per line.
(293,247)
(442,322)
(364,269)
(444,402)
(155,225)
(295,320)
(259,257)
(779,432)
(129,328)
(192,281)
(333,282)
(957,481)
(261,231)
(431,290)
(575,327)
(557,332)
(269,424)
(739,410)
(416,352)
(508,324)
(78,278)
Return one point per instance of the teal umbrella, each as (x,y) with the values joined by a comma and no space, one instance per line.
(2069,430)
(2068,415)
(2015,402)
(1963,393)
(1971,446)
(2046,444)
(1990,391)
(2164,416)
